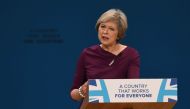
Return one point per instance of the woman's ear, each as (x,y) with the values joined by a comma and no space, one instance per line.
(118,38)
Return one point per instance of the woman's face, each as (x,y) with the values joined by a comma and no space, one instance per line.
(107,33)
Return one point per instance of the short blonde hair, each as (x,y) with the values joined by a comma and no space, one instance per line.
(114,15)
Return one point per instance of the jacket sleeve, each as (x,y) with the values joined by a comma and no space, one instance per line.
(134,65)
(80,73)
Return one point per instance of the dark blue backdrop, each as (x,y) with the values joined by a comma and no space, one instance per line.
(40,41)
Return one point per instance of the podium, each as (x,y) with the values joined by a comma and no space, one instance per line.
(131,94)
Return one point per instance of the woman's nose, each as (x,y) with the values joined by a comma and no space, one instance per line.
(105,31)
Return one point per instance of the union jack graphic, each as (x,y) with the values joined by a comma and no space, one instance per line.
(168,91)
(98,92)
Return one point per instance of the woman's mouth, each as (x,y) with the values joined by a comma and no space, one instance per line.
(105,38)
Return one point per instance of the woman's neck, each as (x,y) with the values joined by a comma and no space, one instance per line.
(111,48)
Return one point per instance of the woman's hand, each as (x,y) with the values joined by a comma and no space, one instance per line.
(83,89)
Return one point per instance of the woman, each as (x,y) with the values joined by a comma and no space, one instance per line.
(108,60)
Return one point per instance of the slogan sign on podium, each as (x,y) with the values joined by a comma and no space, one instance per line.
(132,90)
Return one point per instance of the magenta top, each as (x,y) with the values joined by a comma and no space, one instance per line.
(96,63)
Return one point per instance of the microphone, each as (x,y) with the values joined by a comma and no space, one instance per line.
(111,62)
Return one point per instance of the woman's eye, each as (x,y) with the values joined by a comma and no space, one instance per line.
(111,29)
(102,26)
